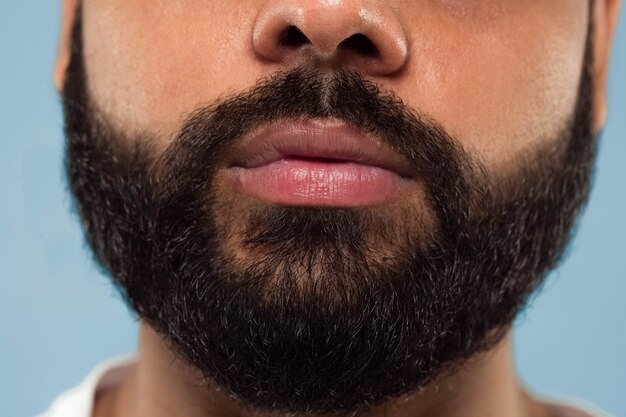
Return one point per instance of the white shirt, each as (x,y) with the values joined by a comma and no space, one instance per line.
(78,401)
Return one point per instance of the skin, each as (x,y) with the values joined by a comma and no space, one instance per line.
(498,74)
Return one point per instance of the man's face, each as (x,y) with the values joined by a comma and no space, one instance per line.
(327,304)
(500,75)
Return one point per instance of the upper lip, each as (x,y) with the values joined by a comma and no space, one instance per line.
(312,138)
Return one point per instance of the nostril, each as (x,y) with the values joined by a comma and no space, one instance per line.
(293,37)
(361,44)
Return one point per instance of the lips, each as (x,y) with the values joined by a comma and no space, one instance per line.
(317,163)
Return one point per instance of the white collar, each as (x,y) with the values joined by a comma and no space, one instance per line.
(79,401)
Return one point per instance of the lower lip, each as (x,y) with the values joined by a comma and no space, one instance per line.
(318,183)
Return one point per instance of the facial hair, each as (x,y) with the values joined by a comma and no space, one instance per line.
(322,309)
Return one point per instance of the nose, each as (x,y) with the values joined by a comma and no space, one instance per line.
(363,34)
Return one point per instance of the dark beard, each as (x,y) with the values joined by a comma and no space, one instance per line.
(332,309)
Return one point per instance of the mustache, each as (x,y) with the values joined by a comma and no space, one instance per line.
(305,92)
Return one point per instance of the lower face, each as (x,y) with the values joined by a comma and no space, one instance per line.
(269,292)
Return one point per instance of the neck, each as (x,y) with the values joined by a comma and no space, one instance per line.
(160,384)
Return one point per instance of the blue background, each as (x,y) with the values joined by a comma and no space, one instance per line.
(59,316)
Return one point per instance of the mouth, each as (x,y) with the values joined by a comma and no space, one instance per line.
(317,162)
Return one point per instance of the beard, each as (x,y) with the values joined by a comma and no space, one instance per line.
(321,309)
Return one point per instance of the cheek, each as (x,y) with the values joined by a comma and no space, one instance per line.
(149,65)
(502,85)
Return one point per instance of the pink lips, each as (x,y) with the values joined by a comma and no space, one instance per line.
(317,163)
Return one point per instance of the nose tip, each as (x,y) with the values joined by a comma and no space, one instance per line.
(366,35)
